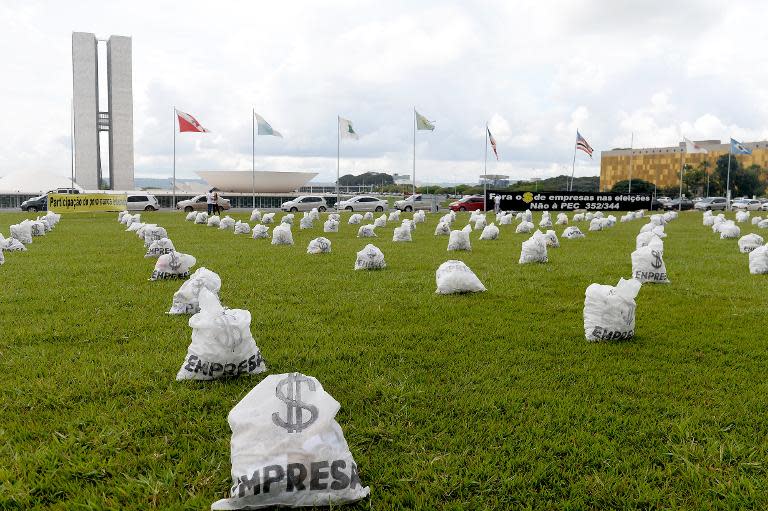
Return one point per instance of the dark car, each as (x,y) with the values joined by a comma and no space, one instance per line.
(35,204)
(678,204)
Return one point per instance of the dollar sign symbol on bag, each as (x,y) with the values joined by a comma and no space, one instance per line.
(292,398)
(656,263)
(175,262)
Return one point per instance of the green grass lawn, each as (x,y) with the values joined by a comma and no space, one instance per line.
(484,401)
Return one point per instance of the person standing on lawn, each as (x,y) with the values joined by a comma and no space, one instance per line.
(209,201)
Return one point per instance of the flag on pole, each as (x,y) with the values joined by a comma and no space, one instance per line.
(582,144)
(422,123)
(264,128)
(739,148)
(346,129)
(189,123)
(493,143)
(693,147)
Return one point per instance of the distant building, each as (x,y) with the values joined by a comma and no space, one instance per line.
(661,165)
(402,179)
(494,180)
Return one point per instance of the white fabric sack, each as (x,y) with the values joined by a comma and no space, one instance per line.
(187,299)
(758,261)
(599,214)
(46,224)
(588,217)
(255,216)
(750,242)
(368,216)
(443,229)
(201,218)
(288,450)
(551,238)
(459,240)
(380,221)
(644,239)
(214,221)
(242,227)
(287,219)
(490,232)
(572,233)
(456,277)
(222,345)
(394,216)
(134,227)
(520,217)
(11,245)
(402,233)
(306,222)
(120,215)
(334,216)
(410,224)
(506,219)
(562,219)
(355,219)
(756,220)
(319,246)
(763,224)
(2,257)
(545,223)
(260,231)
(742,216)
(267,218)
(370,258)
(191,216)
(419,217)
(528,216)
(708,220)
(38,229)
(534,249)
(366,231)
(596,224)
(227,223)
(154,234)
(609,312)
(173,266)
(524,227)
(282,235)
(480,223)
(659,231)
(729,231)
(331,226)
(648,266)
(314,214)
(160,247)
(578,217)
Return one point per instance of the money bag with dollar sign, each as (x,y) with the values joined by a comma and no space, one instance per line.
(288,449)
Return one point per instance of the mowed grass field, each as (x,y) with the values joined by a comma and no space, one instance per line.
(484,401)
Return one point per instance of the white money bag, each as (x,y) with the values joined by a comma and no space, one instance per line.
(456,277)
(222,345)
(750,242)
(572,233)
(172,266)
(459,240)
(648,265)
(160,247)
(609,312)
(370,258)
(319,246)
(287,448)
(260,231)
(187,299)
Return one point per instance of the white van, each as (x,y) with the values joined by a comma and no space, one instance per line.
(140,201)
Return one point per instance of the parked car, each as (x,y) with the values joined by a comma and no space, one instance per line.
(711,203)
(469,203)
(747,205)
(678,204)
(764,207)
(362,203)
(142,202)
(35,204)
(305,203)
(663,199)
(200,203)
(414,202)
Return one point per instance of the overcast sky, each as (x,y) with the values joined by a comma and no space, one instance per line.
(535,71)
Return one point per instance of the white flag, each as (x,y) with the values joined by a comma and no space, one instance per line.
(422,123)
(346,129)
(264,128)
(693,147)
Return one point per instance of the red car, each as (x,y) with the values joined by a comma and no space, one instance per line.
(471,203)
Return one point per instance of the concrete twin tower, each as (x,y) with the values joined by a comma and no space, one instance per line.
(90,120)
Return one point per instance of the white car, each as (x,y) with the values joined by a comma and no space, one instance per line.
(747,205)
(142,202)
(413,203)
(362,203)
(663,199)
(305,203)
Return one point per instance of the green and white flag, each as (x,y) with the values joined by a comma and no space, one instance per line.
(263,127)
(346,129)
(422,123)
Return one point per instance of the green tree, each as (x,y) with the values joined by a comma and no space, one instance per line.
(743,181)
(638,186)
(694,180)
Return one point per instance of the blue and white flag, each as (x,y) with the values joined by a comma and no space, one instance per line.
(739,148)
(264,128)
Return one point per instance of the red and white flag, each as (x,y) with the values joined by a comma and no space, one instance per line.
(189,123)
(493,142)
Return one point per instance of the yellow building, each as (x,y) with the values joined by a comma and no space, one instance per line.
(661,165)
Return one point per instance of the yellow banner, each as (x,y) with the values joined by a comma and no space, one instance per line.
(86,202)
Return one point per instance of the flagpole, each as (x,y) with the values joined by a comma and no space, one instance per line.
(682,165)
(414,151)
(573,167)
(728,179)
(173,203)
(338,157)
(707,179)
(631,152)
(485,170)
(253,156)
(72,142)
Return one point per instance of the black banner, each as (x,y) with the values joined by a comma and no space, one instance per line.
(568,201)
